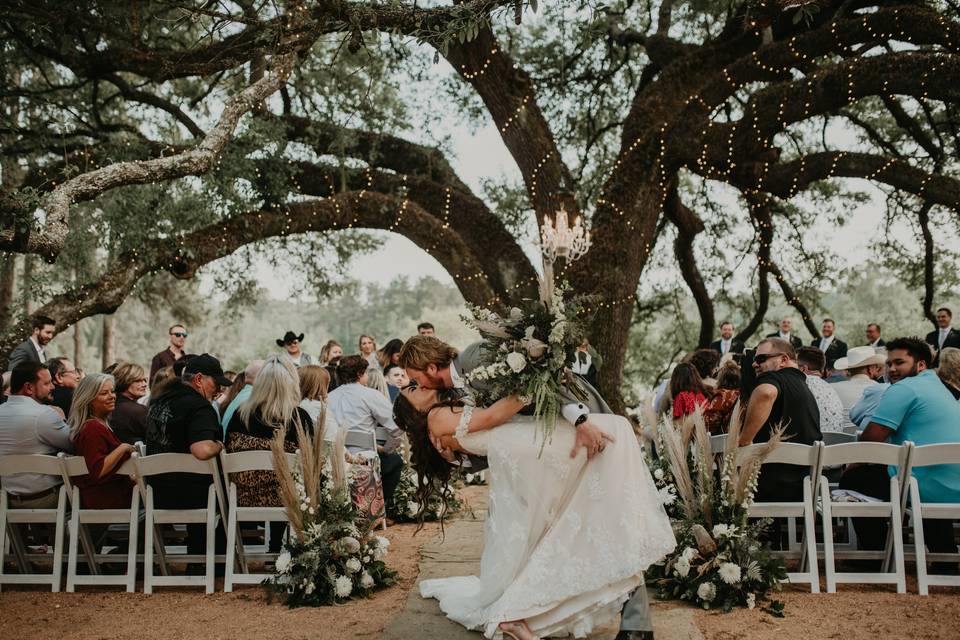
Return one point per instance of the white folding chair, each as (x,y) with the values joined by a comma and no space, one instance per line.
(718,443)
(865,453)
(236,463)
(368,442)
(925,456)
(838,437)
(73,466)
(162,463)
(802,455)
(32,463)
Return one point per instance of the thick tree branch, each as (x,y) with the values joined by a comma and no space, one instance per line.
(688,226)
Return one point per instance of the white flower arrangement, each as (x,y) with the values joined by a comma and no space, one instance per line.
(366,580)
(353,565)
(282,563)
(682,567)
(343,586)
(729,572)
(706,591)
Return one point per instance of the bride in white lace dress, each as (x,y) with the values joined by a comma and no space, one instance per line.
(566,539)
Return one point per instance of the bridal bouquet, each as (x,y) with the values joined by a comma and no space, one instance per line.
(527,351)
(331,554)
(405,507)
(719,561)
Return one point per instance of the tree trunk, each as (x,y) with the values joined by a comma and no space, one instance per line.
(28,262)
(108,344)
(8,278)
(77,345)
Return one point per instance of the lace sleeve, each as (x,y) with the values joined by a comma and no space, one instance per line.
(464,425)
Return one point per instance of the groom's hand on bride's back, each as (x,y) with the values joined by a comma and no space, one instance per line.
(590,437)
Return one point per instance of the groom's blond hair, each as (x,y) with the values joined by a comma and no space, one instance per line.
(420,351)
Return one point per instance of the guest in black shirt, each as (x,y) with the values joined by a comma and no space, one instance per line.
(65,378)
(781,397)
(129,417)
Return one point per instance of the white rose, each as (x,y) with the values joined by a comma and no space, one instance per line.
(350,544)
(729,572)
(682,567)
(515,313)
(342,586)
(382,542)
(283,561)
(366,580)
(751,601)
(658,474)
(706,591)
(667,497)
(535,348)
(516,361)
(720,530)
(690,553)
(379,553)
(353,565)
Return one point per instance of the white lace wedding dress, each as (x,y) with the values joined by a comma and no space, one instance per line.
(566,540)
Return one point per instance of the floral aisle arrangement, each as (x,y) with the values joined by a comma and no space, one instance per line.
(405,507)
(526,352)
(330,555)
(719,561)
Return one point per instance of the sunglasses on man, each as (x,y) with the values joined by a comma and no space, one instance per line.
(763,357)
(179,334)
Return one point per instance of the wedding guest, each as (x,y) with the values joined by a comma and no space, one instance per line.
(368,349)
(781,397)
(160,379)
(291,342)
(390,353)
(863,366)
(687,391)
(314,386)
(949,370)
(227,396)
(831,346)
(706,361)
(944,336)
(230,405)
(129,417)
(273,405)
(28,424)
(32,349)
(330,351)
(397,379)
(919,409)
(103,451)
(426,329)
(726,344)
(65,379)
(181,419)
(357,407)
(376,381)
(873,336)
(784,333)
(174,351)
(5,376)
(720,407)
(584,363)
(812,363)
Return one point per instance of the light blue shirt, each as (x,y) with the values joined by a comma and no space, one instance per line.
(861,412)
(921,410)
(26,426)
(357,407)
(234,405)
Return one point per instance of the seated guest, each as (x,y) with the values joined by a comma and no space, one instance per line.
(916,408)
(726,344)
(949,370)
(811,362)
(6,386)
(65,379)
(389,353)
(231,404)
(375,380)
(314,385)
(721,405)
(331,351)
(781,397)
(273,405)
(863,366)
(357,407)
(861,412)
(687,390)
(28,424)
(93,439)
(397,379)
(706,362)
(181,419)
(129,417)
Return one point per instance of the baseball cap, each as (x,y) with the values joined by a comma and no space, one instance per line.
(207,365)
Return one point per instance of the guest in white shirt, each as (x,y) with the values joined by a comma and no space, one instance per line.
(812,362)
(863,365)
(786,326)
(314,382)
(358,408)
(32,349)
(727,344)
(944,336)
(873,336)
(29,425)
(833,347)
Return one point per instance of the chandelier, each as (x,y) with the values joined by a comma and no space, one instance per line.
(560,240)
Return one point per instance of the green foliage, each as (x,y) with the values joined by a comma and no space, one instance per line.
(405,507)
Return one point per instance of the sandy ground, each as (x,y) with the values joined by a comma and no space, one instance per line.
(854,613)
(27,613)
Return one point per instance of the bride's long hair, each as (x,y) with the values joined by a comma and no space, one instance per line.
(433,472)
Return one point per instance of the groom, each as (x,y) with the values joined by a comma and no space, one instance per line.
(434,364)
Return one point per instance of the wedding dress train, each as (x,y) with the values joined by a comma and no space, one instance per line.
(566,540)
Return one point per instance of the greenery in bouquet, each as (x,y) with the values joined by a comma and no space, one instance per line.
(720,561)
(406,508)
(527,351)
(330,555)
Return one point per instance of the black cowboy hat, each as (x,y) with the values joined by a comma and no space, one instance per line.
(289,336)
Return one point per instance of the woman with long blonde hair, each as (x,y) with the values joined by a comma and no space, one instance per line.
(368,349)
(101,488)
(314,383)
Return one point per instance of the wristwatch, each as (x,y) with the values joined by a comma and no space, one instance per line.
(581,419)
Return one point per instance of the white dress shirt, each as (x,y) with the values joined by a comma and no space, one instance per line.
(26,426)
(784,336)
(825,343)
(357,407)
(725,346)
(43,357)
(944,332)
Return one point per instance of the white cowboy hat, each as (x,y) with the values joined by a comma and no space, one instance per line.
(859,357)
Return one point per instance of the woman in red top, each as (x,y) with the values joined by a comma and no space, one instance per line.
(101,488)
(687,390)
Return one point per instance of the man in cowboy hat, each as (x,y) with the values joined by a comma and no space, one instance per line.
(291,343)
(863,365)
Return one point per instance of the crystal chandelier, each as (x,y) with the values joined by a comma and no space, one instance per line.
(560,240)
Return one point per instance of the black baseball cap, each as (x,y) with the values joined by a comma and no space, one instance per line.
(208,366)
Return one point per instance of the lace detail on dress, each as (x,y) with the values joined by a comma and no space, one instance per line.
(463,427)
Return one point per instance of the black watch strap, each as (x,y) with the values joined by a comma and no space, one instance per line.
(581,420)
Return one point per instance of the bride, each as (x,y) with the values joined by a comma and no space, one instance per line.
(566,540)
